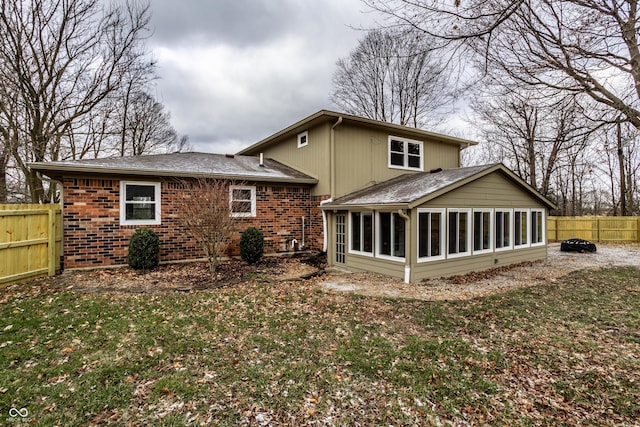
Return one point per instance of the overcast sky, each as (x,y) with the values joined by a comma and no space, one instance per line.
(233,72)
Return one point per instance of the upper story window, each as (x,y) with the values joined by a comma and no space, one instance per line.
(405,153)
(303,139)
(139,203)
(243,201)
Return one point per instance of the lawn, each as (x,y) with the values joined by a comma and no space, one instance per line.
(293,354)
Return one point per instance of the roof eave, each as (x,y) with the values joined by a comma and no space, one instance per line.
(55,171)
(365,206)
(463,143)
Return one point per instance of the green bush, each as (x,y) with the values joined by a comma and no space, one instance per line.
(251,245)
(144,249)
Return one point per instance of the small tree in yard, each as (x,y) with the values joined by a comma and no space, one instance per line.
(205,213)
(251,245)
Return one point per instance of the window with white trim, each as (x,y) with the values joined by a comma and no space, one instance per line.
(431,226)
(391,235)
(303,139)
(242,201)
(537,227)
(459,232)
(520,227)
(502,225)
(139,203)
(482,230)
(405,153)
(361,232)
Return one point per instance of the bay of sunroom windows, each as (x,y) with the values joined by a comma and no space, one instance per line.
(447,233)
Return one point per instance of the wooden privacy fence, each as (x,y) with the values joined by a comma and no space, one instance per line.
(30,241)
(594,228)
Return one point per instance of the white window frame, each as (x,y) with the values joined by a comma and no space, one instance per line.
(405,165)
(544,227)
(495,225)
(469,232)
(123,203)
(443,233)
(373,230)
(253,201)
(527,231)
(378,239)
(473,231)
(303,135)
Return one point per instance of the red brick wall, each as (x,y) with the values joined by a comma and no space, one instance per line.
(93,235)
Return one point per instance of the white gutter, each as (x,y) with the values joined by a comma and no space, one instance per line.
(332,156)
(407,255)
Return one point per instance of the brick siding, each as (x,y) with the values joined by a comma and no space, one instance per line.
(93,236)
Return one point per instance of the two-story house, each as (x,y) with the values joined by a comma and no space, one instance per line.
(375,196)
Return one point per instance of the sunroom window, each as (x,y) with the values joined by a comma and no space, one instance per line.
(431,234)
(139,203)
(482,230)
(362,232)
(537,227)
(459,232)
(520,227)
(391,233)
(503,229)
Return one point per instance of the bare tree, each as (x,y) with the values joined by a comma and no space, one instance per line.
(395,77)
(533,134)
(147,127)
(574,46)
(61,59)
(205,212)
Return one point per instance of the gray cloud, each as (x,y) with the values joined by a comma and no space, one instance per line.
(233,72)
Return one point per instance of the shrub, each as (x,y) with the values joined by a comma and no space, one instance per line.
(251,245)
(144,249)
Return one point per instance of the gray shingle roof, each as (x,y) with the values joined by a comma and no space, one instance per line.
(182,165)
(407,189)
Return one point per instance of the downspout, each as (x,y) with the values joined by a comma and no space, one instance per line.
(407,247)
(332,184)
(332,156)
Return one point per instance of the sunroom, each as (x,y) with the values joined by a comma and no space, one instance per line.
(439,223)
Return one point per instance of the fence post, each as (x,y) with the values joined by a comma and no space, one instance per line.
(52,241)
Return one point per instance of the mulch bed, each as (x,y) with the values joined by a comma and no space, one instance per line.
(187,277)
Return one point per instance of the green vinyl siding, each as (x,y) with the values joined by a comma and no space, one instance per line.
(362,157)
(313,159)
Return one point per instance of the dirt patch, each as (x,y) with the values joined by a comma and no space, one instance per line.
(484,283)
